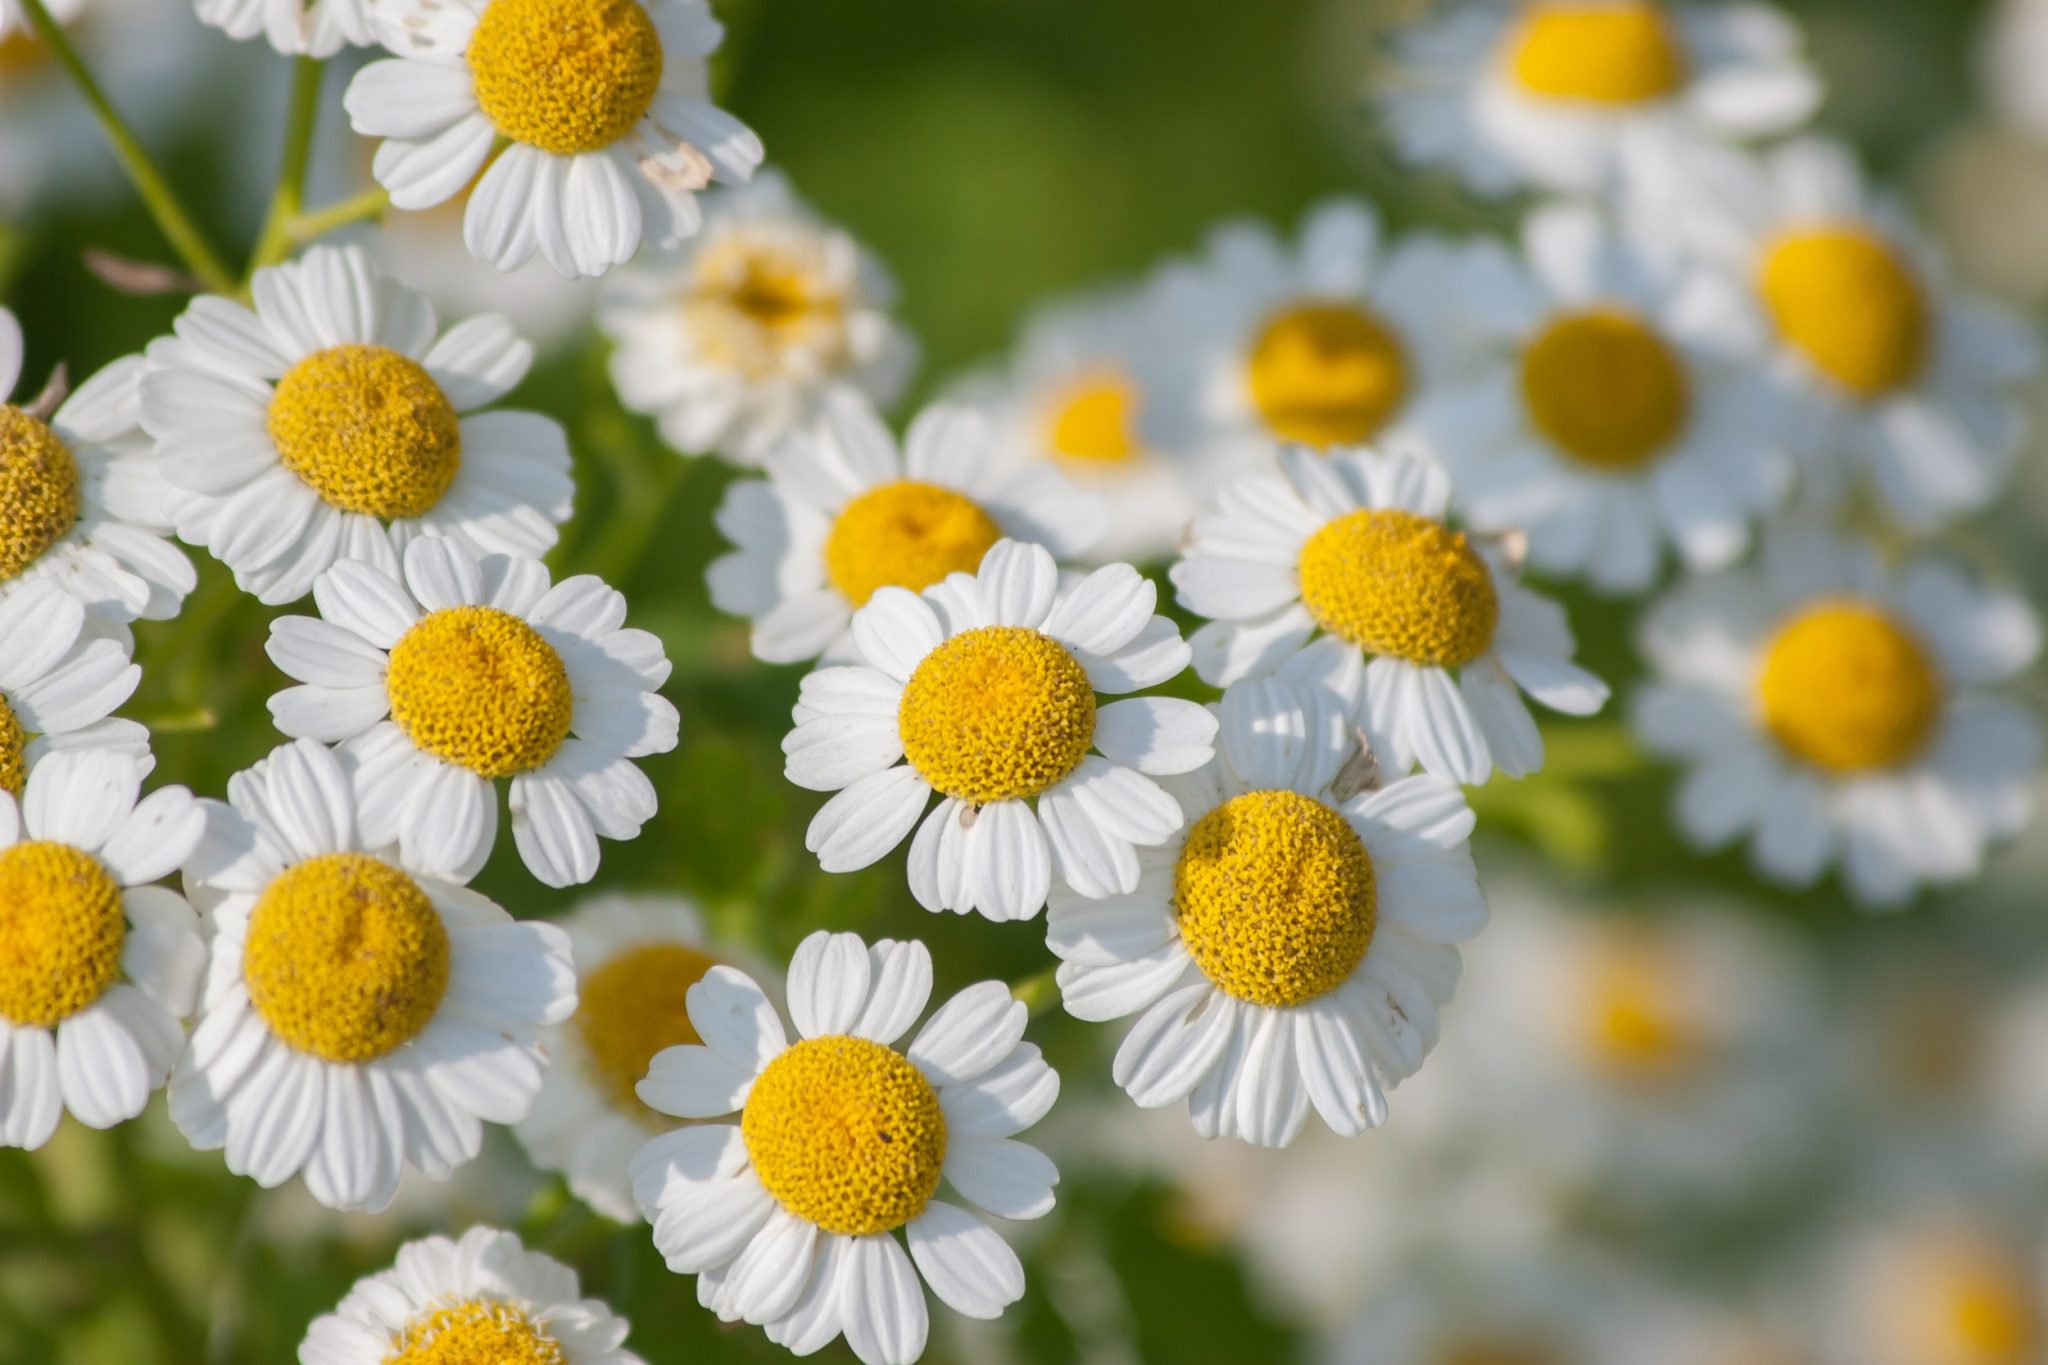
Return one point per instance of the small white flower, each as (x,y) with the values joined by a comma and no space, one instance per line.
(788,1217)
(1949,1271)
(313,28)
(62,673)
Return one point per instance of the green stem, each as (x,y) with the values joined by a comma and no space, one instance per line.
(320,222)
(276,238)
(176,225)
(1040,991)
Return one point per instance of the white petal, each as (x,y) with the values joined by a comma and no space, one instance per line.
(972,1270)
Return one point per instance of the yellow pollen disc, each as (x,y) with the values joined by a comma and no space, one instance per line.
(1276,898)
(632,1007)
(1843,298)
(1597,53)
(1847,688)
(61,933)
(1399,584)
(1327,374)
(905,534)
(566,76)
(846,1134)
(1095,420)
(475,1332)
(1992,1319)
(13,752)
(368,430)
(997,713)
(38,490)
(1633,1026)
(1604,388)
(481,689)
(346,957)
(750,304)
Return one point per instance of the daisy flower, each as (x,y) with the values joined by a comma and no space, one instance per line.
(81,502)
(100,967)
(985,688)
(1553,93)
(1828,707)
(359,1013)
(731,342)
(845,513)
(1356,546)
(484,1298)
(330,423)
(1606,421)
(1903,379)
(1949,1279)
(314,28)
(787,1216)
(459,671)
(600,106)
(61,675)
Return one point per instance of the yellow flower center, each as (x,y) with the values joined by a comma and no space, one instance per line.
(368,430)
(481,689)
(1276,898)
(475,1332)
(1327,374)
(997,713)
(61,933)
(13,752)
(1400,584)
(1604,388)
(846,1134)
(1844,299)
(566,76)
(1847,688)
(346,957)
(1633,1023)
(905,534)
(22,54)
(38,490)
(1992,1317)
(1094,420)
(633,1006)
(751,303)
(1597,53)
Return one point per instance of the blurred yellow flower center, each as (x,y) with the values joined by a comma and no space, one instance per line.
(1597,52)
(632,1007)
(1094,420)
(846,1134)
(1846,687)
(566,76)
(475,1332)
(480,688)
(753,303)
(1276,898)
(61,933)
(13,751)
(346,957)
(1993,1318)
(1844,299)
(905,534)
(997,713)
(368,430)
(21,54)
(1327,374)
(38,490)
(1963,1300)
(1604,388)
(1634,1022)
(1400,584)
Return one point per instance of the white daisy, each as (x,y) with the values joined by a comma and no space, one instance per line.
(1553,93)
(314,28)
(62,673)
(1606,420)
(1356,546)
(845,513)
(1942,1277)
(100,967)
(731,342)
(788,1216)
(1827,707)
(359,1013)
(1905,380)
(463,671)
(484,1299)
(329,423)
(984,687)
(604,105)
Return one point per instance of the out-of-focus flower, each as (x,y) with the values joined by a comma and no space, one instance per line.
(62,673)
(1937,1283)
(2015,50)
(316,28)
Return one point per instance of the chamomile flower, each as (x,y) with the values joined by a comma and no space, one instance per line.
(844,513)
(481,1300)
(788,1217)
(1291,947)
(731,342)
(335,421)
(600,107)
(100,967)
(461,671)
(983,689)
(1552,93)
(1829,708)
(61,676)
(1605,421)
(1356,546)
(1947,1280)
(314,28)
(359,1014)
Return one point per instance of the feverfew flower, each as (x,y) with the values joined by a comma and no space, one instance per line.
(61,675)
(313,28)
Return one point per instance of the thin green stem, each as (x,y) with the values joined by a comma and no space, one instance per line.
(290,196)
(171,219)
(319,222)
(1040,991)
